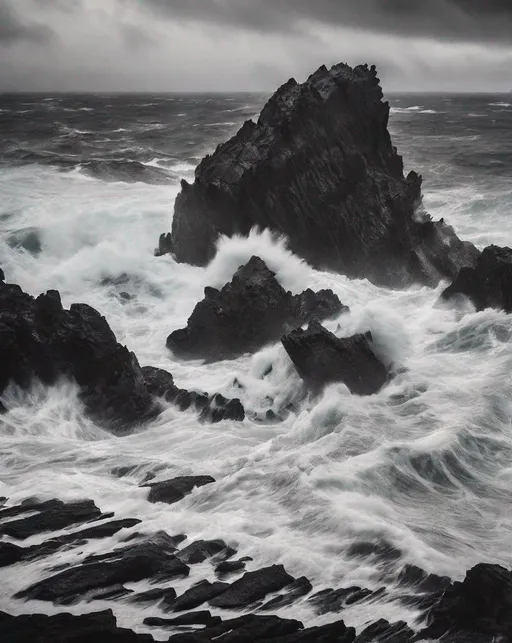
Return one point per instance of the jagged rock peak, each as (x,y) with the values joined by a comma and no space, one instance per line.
(320,167)
(253,309)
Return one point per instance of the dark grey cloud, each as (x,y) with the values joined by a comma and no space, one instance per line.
(15,28)
(458,20)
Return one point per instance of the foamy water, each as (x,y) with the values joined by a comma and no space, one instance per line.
(424,465)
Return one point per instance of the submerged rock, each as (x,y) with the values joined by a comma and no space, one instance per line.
(322,358)
(249,312)
(319,166)
(171,491)
(489,283)
(252,587)
(152,558)
(384,632)
(49,516)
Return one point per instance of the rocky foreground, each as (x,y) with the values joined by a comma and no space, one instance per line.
(320,167)
(477,609)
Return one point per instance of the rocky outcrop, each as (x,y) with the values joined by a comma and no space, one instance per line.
(477,609)
(249,312)
(319,166)
(67,628)
(489,283)
(212,408)
(322,358)
(171,491)
(481,604)
(40,339)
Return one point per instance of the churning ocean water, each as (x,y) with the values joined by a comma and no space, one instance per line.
(422,470)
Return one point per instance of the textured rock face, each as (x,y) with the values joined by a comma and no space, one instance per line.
(40,339)
(320,167)
(481,604)
(249,312)
(322,358)
(489,283)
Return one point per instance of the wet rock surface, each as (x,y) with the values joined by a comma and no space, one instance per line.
(171,491)
(67,628)
(212,408)
(321,358)
(49,516)
(320,167)
(477,609)
(481,604)
(150,559)
(39,339)
(253,586)
(252,310)
(489,283)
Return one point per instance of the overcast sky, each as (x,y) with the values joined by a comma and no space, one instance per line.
(191,45)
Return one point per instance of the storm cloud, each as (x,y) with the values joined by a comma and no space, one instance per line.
(467,20)
(14,28)
(225,45)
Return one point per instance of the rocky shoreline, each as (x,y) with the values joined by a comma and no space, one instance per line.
(318,166)
(475,609)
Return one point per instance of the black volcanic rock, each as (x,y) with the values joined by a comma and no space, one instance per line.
(322,358)
(41,339)
(49,516)
(201,550)
(384,632)
(197,595)
(99,627)
(489,283)
(171,491)
(214,408)
(252,587)
(320,167)
(481,604)
(152,558)
(249,312)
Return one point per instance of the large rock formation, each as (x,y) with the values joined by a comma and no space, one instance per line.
(41,339)
(489,283)
(322,358)
(320,167)
(249,312)
(481,605)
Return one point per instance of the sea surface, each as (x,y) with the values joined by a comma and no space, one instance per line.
(423,469)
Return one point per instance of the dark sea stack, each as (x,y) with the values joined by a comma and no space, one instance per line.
(321,358)
(320,167)
(40,339)
(479,605)
(250,311)
(489,283)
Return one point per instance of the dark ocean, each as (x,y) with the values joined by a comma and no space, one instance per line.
(87,184)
